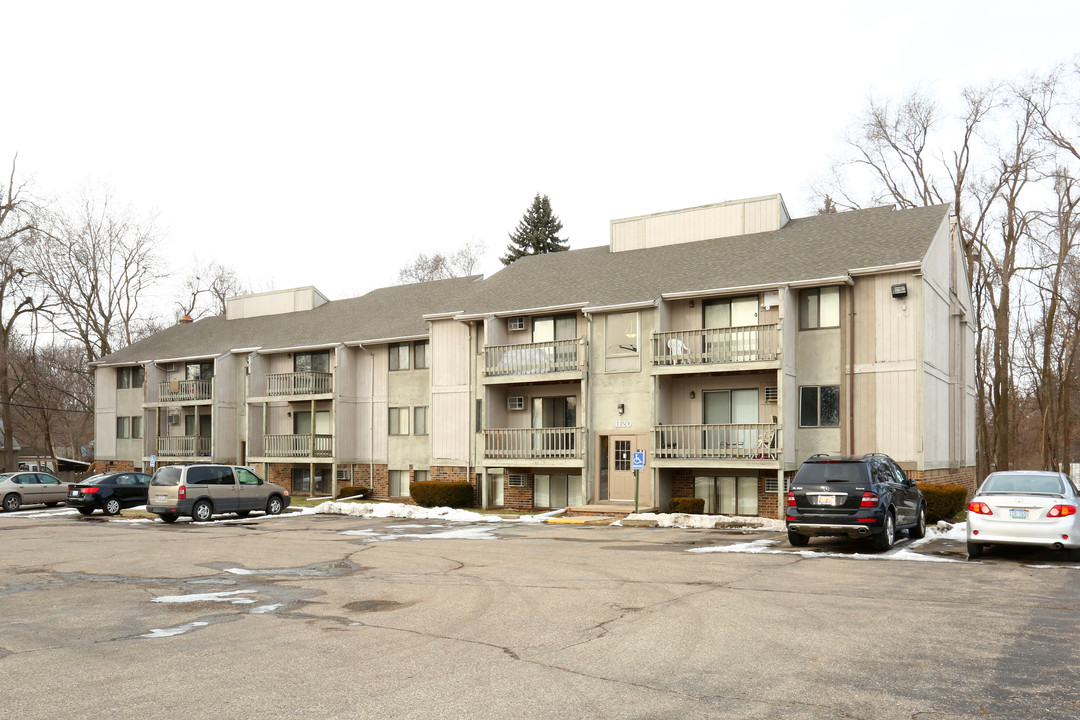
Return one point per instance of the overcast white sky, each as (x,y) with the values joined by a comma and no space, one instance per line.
(328,143)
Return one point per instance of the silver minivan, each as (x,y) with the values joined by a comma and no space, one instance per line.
(206,490)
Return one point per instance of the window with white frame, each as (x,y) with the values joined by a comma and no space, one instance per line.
(819,406)
(312,361)
(420,413)
(399,483)
(422,354)
(399,356)
(399,421)
(129,377)
(302,422)
(421,475)
(819,308)
(622,344)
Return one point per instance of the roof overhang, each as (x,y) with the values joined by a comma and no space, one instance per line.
(896,267)
(384,341)
(621,307)
(522,311)
(297,348)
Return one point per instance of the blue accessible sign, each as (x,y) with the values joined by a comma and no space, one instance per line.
(639,460)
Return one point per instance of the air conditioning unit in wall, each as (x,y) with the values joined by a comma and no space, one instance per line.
(174,416)
(516,480)
(344,475)
(169,367)
(771,393)
(515,402)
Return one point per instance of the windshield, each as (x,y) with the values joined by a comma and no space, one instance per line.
(166,476)
(1024,484)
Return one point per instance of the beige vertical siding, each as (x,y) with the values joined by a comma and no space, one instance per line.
(224,409)
(451,397)
(105,412)
(738,217)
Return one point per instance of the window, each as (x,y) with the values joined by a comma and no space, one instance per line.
(623,461)
(556,490)
(554,327)
(419,420)
(479,415)
(123,427)
(246,477)
(399,356)
(819,308)
(728,495)
(129,377)
(199,370)
(312,362)
(136,426)
(301,481)
(302,422)
(731,312)
(421,354)
(421,475)
(399,483)
(621,342)
(480,337)
(819,406)
(399,421)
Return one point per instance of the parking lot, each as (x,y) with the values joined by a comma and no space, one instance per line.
(303,616)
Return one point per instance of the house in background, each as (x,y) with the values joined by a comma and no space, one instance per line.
(729,342)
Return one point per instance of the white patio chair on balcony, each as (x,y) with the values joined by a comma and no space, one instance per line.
(763,449)
(676,349)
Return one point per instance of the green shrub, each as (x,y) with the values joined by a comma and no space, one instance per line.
(691,506)
(943,501)
(442,494)
(353,491)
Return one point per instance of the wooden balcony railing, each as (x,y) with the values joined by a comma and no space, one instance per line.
(533,358)
(299,383)
(184,446)
(716,345)
(736,441)
(534,443)
(185,390)
(299,445)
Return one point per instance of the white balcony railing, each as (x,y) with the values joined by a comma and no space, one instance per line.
(716,345)
(299,445)
(299,383)
(185,390)
(184,446)
(736,441)
(533,358)
(534,443)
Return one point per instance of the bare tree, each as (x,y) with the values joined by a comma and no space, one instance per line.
(207,288)
(99,262)
(17,294)
(438,266)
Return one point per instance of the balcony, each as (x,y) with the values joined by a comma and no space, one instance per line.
(736,441)
(299,383)
(299,446)
(185,390)
(563,443)
(539,358)
(184,446)
(709,346)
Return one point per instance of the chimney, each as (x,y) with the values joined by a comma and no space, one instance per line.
(185,320)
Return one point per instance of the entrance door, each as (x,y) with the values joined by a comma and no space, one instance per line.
(620,474)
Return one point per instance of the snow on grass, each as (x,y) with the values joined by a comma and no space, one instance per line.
(226,596)
(42,513)
(709,522)
(264,609)
(771,547)
(473,533)
(178,630)
(415,512)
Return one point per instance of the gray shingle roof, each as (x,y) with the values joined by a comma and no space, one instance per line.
(821,246)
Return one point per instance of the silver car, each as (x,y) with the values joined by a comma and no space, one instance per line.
(30,488)
(1023,507)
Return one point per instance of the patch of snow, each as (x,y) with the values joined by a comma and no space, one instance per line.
(709,522)
(472,533)
(227,596)
(768,547)
(264,609)
(400,510)
(169,632)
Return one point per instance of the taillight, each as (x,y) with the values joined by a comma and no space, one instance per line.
(790,499)
(181,492)
(979,508)
(869,500)
(1061,511)
(89,490)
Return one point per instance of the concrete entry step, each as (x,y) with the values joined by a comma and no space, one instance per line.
(614,510)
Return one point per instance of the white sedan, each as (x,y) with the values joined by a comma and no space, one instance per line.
(1023,507)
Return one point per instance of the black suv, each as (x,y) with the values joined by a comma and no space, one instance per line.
(868,496)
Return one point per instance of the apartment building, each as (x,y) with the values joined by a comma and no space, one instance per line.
(728,342)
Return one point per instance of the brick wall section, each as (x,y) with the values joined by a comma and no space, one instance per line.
(518,498)
(456,473)
(946,476)
(104,466)
(362,478)
(682,485)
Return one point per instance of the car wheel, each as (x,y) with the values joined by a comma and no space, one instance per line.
(974,550)
(86,511)
(202,511)
(168,517)
(12,502)
(112,507)
(274,506)
(885,539)
(919,531)
(797,539)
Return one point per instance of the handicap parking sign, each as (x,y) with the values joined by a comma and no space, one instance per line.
(639,460)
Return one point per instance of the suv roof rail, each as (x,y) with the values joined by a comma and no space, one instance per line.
(876,454)
(818,455)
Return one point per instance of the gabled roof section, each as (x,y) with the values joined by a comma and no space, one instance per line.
(389,312)
(806,249)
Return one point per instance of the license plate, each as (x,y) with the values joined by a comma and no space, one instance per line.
(826,500)
(161,498)
(1018,513)
(74,493)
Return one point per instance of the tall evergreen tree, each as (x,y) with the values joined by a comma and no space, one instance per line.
(537,233)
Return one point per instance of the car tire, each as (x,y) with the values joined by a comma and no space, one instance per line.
(168,517)
(885,539)
(797,539)
(974,550)
(202,511)
(274,505)
(86,511)
(111,507)
(12,502)
(918,532)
